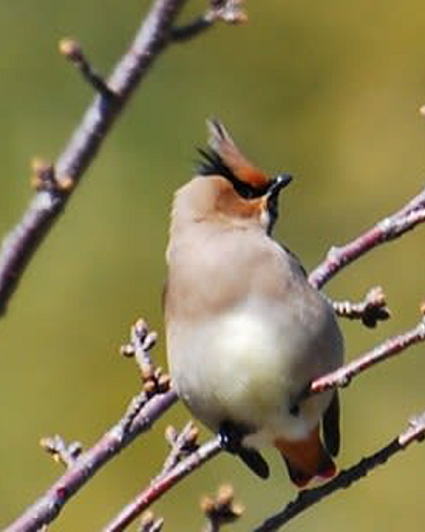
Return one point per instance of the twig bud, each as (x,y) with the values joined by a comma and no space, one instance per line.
(225,495)
(70,49)
(171,434)
(207,504)
(164,382)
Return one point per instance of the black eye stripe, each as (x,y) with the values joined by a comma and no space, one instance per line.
(213,164)
(247,191)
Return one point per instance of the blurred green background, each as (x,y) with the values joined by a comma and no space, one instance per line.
(329,91)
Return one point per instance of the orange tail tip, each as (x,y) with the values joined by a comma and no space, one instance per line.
(306,459)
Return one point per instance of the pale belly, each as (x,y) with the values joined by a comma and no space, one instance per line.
(244,368)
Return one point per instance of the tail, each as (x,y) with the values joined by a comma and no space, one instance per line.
(306,459)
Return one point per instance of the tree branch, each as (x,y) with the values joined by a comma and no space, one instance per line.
(371,310)
(63,452)
(73,52)
(390,228)
(163,483)
(390,347)
(49,505)
(49,202)
(306,498)
(230,11)
(142,412)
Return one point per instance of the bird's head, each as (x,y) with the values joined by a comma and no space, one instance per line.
(228,188)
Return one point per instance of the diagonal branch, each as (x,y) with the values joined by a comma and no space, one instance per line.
(154,34)
(309,497)
(390,347)
(89,462)
(163,483)
(144,409)
(73,52)
(390,228)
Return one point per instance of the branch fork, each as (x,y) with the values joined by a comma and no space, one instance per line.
(370,311)
(154,380)
(73,51)
(221,509)
(60,451)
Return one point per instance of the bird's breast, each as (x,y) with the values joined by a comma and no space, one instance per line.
(245,365)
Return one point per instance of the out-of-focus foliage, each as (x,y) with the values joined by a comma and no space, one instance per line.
(329,91)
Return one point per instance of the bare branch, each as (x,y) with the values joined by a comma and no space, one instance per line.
(415,204)
(141,342)
(73,52)
(143,411)
(371,310)
(390,347)
(193,29)
(162,484)
(229,11)
(49,505)
(306,498)
(181,445)
(151,39)
(61,451)
(412,214)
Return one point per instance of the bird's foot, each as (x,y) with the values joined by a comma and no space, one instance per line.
(231,436)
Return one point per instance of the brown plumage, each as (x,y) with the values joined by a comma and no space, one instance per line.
(246,333)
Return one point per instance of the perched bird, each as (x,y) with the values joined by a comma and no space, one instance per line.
(246,333)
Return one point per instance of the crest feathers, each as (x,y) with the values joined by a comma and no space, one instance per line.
(224,158)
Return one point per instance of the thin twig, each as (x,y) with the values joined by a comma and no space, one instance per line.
(191,30)
(415,204)
(141,341)
(229,11)
(306,498)
(411,215)
(371,310)
(73,52)
(390,347)
(162,484)
(181,444)
(63,452)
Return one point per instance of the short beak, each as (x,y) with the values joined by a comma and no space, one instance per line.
(278,183)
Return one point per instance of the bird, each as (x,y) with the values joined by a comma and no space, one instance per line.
(246,333)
